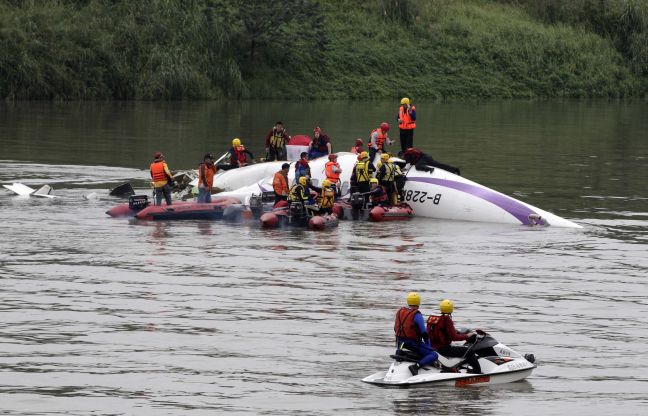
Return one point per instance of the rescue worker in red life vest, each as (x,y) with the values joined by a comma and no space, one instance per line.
(327,198)
(333,171)
(442,332)
(275,142)
(162,179)
(280,183)
(362,172)
(425,163)
(378,194)
(358,148)
(320,145)
(410,333)
(206,172)
(239,155)
(378,139)
(386,176)
(406,124)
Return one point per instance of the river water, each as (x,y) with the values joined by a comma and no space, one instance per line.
(108,316)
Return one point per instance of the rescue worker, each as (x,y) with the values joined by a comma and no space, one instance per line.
(378,138)
(302,168)
(406,124)
(399,180)
(442,332)
(275,142)
(206,172)
(411,334)
(378,193)
(299,195)
(162,179)
(327,197)
(320,145)
(357,149)
(333,170)
(280,183)
(423,162)
(362,172)
(386,176)
(238,155)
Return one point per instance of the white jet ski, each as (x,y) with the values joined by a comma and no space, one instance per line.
(499,364)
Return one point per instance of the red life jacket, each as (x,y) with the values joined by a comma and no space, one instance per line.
(330,175)
(440,330)
(405,327)
(377,199)
(380,140)
(406,119)
(239,157)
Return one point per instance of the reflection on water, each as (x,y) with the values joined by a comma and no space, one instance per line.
(108,316)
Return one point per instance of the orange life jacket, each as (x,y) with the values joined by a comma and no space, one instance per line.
(330,175)
(158,173)
(380,140)
(208,172)
(406,119)
(405,327)
(280,183)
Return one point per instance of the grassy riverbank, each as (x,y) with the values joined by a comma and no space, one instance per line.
(163,49)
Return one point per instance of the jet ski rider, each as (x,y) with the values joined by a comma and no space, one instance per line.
(411,334)
(442,332)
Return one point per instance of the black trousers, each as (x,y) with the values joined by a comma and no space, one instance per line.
(459,351)
(276,153)
(406,139)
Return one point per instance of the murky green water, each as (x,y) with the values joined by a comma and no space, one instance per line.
(108,316)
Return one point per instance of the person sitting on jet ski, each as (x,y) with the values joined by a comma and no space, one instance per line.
(423,162)
(442,332)
(411,334)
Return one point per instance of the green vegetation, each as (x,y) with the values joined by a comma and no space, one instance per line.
(201,49)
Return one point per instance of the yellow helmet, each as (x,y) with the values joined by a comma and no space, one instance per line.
(405,101)
(413,299)
(364,155)
(384,157)
(303,181)
(446,306)
(373,180)
(326,183)
(236,142)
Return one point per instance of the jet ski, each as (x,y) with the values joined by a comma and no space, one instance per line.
(499,364)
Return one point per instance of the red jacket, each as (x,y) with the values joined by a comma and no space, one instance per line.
(443,332)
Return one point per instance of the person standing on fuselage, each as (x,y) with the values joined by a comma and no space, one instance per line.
(411,334)
(378,138)
(275,142)
(406,124)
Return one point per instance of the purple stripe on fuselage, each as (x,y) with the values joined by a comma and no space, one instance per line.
(508,204)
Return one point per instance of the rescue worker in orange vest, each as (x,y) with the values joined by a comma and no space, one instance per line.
(357,149)
(275,142)
(406,124)
(411,334)
(280,183)
(206,172)
(442,332)
(386,177)
(333,170)
(162,179)
(378,193)
(327,198)
(362,172)
(378,139)
(238,155)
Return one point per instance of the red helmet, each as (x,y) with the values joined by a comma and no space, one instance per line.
(317,130)
(384,126)
(359,142)
(332,156)
(158,155)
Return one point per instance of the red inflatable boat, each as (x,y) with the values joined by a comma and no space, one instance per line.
(139,207)
(280,216)
(399,212)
